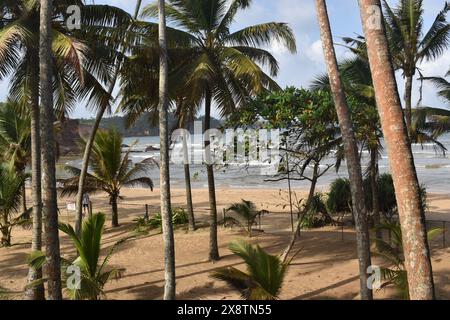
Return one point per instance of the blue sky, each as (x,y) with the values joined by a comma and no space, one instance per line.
(301,68)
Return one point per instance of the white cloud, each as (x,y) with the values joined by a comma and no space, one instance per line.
(315,52)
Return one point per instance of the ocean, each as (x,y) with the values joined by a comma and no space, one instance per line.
(433,169)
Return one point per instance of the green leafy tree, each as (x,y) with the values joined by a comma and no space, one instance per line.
(111,171)
(339,197)
(311,134)
(264,277)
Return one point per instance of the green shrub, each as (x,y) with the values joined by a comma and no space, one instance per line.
(392,253)
(245,215)
(386,195)
(179,217)
(340,196)
(317,215)
(264,277)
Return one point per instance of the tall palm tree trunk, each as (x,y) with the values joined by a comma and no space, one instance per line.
(187,180)
(408,102)
(50,208)
(374,187)
(24,199)
(115,212)
(35,292)
(412,217)
(90,142)
(350,147)
(166,210)
(213,243)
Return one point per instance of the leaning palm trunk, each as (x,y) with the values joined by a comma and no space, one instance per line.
(187,179)
(115,212)
(166,210)
(35,292)
(90,142)
(85,164)
(412,218)
(50,208)
(213,243)
(351,150)
(24,199)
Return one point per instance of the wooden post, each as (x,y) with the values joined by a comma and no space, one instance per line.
(259,221)
(290,190)
(146,217)
(90,209)
(224,217)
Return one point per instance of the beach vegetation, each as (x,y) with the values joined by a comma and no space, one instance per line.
(264,275)
(85,277)
(111,171)
(11,185)
(392,253)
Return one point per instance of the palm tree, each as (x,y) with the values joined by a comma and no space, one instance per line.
(103,106)
(392,252)
(111,171)
(222,66)
(80,58)
(246,215)
(435,121)
(264,277)
(412,217)
(49,196)
(350,148)
(409,44)
(10,185)
(94,273)
(15,140)
(358,84)
(166,210)
(138,93)
(443,86)
(185,115)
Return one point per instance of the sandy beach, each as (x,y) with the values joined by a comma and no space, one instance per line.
(326,267)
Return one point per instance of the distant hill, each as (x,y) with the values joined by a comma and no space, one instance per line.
(142,127)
